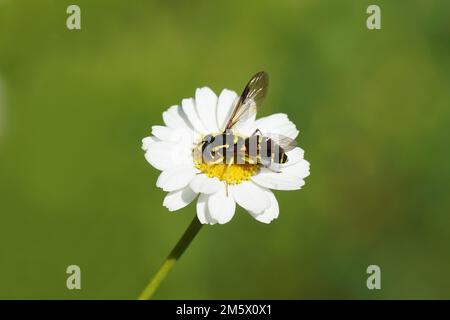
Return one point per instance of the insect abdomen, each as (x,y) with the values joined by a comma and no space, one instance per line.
(269,151)
(282,157)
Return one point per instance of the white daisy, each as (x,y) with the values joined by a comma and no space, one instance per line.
(171,147)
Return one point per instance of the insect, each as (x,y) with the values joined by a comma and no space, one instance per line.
(227,147)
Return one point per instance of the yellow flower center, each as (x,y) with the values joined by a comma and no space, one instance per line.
(231,174)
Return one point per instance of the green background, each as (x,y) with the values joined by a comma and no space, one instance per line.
(373,112)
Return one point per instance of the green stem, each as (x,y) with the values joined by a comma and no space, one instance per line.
(174,255)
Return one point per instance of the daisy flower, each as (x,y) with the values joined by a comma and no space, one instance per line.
(217,185)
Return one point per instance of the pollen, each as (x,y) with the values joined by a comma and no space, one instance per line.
(231,174)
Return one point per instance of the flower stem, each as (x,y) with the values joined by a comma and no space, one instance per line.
(174,255)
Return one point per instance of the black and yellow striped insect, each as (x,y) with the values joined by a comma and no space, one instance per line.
(227,147)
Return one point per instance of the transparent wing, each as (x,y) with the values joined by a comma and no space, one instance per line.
(286,143)
(250,99)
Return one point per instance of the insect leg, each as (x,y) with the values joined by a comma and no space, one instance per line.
(225,173)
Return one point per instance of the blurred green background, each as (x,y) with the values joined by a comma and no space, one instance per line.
(373,112)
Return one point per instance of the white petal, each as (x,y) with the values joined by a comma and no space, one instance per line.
(272,121)
(225,104)
(175,178)
(276,123)
(294,156)
(174,117)
(221,206)
(191,113)
(203,214)
(167,134)
(159,154)
(299,169)
(176,200)
(270,213)
(204,184)
(147,141)
(251,197)
(206,104)
(288,130)
(277,180)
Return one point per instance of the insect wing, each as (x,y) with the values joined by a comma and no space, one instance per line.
(286,143)
(250,99)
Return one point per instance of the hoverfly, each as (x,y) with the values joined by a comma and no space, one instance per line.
(227,147)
